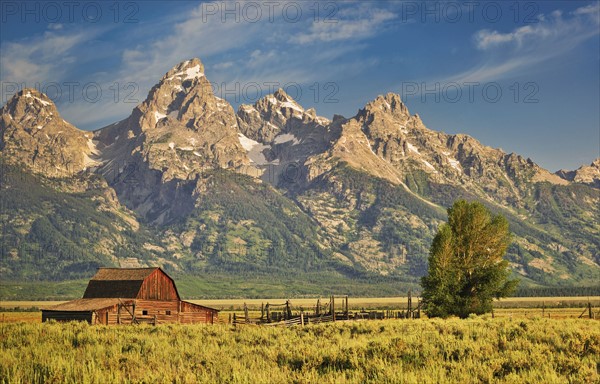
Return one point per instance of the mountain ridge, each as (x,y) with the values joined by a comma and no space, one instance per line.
(363,194)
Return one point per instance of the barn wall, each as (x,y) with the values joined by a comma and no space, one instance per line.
(113,318)
(156,307)
(158,286)
(67,316)
(192,313)
(180,312)
(103,316)
(207,317)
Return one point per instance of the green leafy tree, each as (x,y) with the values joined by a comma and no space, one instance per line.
(466,265)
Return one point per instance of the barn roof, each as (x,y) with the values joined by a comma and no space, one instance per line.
(137,274)
(201,306)
(117,282)
(85,305)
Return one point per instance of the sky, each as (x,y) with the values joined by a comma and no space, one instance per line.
(521,76)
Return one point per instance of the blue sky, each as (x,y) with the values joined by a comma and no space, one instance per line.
(520,76)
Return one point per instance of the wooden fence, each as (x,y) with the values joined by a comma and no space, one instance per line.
(285,315)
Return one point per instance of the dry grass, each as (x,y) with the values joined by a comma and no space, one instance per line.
(475,350)
(27,317)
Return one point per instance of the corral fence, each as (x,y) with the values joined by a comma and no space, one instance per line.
(284,314)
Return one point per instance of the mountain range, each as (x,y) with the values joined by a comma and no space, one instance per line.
(272,192)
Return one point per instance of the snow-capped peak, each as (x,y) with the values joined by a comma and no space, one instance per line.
(190,73)
(186,70)
(27,94)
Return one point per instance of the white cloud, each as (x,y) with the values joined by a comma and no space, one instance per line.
(223,65)
(40,58)
(487,39)
(491,71)
(583,23)
(590,9)
(510,53)
(357,22)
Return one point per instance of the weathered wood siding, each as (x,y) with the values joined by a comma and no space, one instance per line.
(197,317)
(192,313)
(153,307)
(103,315)
(158,286)
(171,311)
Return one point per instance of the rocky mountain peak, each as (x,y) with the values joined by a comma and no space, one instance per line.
(186,70)
(282,96)
(30,104)
(389,103)
(184,94)
(275,114)
(586,174)
(185,126)
(179,131)
(33,134)
(282,103)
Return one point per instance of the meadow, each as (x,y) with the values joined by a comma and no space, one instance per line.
(475,350)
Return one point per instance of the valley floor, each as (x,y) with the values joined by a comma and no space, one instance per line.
(475,350)
(513,307)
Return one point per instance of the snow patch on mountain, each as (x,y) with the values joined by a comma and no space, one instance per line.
(288,104)
(454,163)
(158,116)
(91,144)
(190,73)
(428,165)
(246,142)
(254,149)
(412,148)
(285,138)
(43,102)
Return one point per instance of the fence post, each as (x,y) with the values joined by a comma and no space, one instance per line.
(347,310)
(590,310)
(410,305)
(333,307)
(302,318)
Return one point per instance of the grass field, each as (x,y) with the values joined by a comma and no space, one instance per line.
(475,350)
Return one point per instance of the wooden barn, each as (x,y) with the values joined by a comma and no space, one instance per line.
(131,296)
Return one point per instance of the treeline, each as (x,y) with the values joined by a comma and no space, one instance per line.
(557,291)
